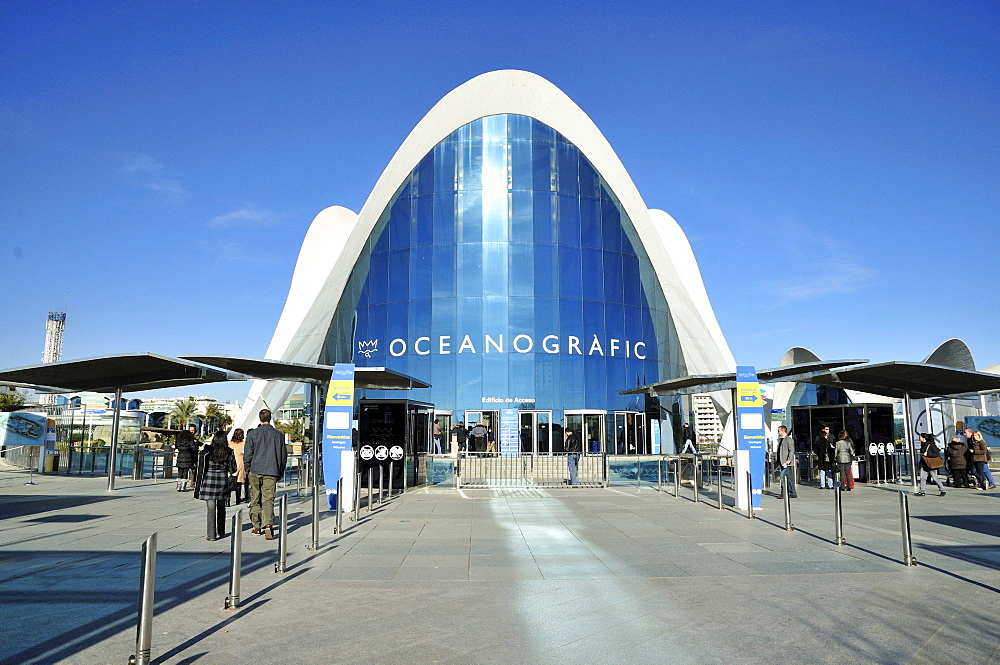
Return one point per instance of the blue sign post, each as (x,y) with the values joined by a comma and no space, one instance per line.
(338,450)
(750,433)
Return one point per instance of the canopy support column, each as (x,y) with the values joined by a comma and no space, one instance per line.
(317,397)
(908,440)
(113,451)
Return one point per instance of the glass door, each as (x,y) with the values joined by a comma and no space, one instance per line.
(536,432)
(590,425)
(630,433)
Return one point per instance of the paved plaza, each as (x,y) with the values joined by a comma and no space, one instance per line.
(619,575)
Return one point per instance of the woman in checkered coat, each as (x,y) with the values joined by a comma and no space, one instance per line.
(216,464)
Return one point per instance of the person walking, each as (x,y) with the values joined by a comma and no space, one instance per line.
(187,456)
(437,436)
(478,438)
(236,444)
(823,450)
(981,459)
(264,456)
(687,436)
(216,463)
(460,434)
(929,452)
(955,452)
(572,447)
(786,458)
(843,455)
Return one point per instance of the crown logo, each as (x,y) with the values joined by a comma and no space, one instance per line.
(368,348)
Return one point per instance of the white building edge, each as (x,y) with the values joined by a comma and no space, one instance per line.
(337,236)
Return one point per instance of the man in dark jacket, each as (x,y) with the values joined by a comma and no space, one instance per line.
(786,459)
(823,450)
(187,455)
(572,447)
(264,457)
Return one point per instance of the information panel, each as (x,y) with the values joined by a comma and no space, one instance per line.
(750,433)
(337,432)
(510,433)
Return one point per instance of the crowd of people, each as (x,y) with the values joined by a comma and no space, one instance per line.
(243,467)
(964,454)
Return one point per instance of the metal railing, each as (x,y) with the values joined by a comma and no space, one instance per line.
(23,457)
(526,470)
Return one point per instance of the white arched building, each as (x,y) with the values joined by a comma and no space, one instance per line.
(505,257)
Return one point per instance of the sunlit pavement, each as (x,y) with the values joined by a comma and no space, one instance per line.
(505,576)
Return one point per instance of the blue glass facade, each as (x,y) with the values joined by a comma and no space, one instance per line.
(506,275)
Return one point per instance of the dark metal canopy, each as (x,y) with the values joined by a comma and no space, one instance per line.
(707,383)
(900,378)
(373,378)
(128,372)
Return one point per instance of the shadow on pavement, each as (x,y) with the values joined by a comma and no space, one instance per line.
(19,506)
(974,523)
(103,606)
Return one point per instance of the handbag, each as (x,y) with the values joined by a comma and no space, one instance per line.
(933,462)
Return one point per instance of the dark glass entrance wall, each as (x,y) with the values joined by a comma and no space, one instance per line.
(506,275)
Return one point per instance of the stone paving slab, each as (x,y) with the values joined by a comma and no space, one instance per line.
(505,576)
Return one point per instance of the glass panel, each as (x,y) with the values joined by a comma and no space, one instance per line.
(543,432)
(542,167)
(570,272)
(522,220)
(421,275)
(527,432)
(444,217)
(399,224)
(568,157)
(422,216)
(443,274)
(569,220)
(522,178)
(399,275)
(594,433)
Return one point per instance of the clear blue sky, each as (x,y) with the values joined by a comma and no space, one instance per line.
(836,166)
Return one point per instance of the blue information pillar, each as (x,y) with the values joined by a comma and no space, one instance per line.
(338,451)
(750,434)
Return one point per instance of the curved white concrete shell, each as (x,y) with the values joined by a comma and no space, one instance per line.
(337,237)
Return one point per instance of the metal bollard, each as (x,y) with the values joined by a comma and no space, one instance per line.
(147,587)
(677,477)
(370,480)
(235,561)
(340,506)
(718,480)
(357,497)
(750,514)
(280,567)
(381,474)
(788,504)
(659,474)
(904,519)
(838,516)
(315,522)
(391,469)
(695,477)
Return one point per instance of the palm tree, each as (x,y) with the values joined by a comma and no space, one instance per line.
(212,415)
(293,428)
(183,412)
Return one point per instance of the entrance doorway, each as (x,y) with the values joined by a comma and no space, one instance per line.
(630,433)
(590,425)
(491,421)
(536,432)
